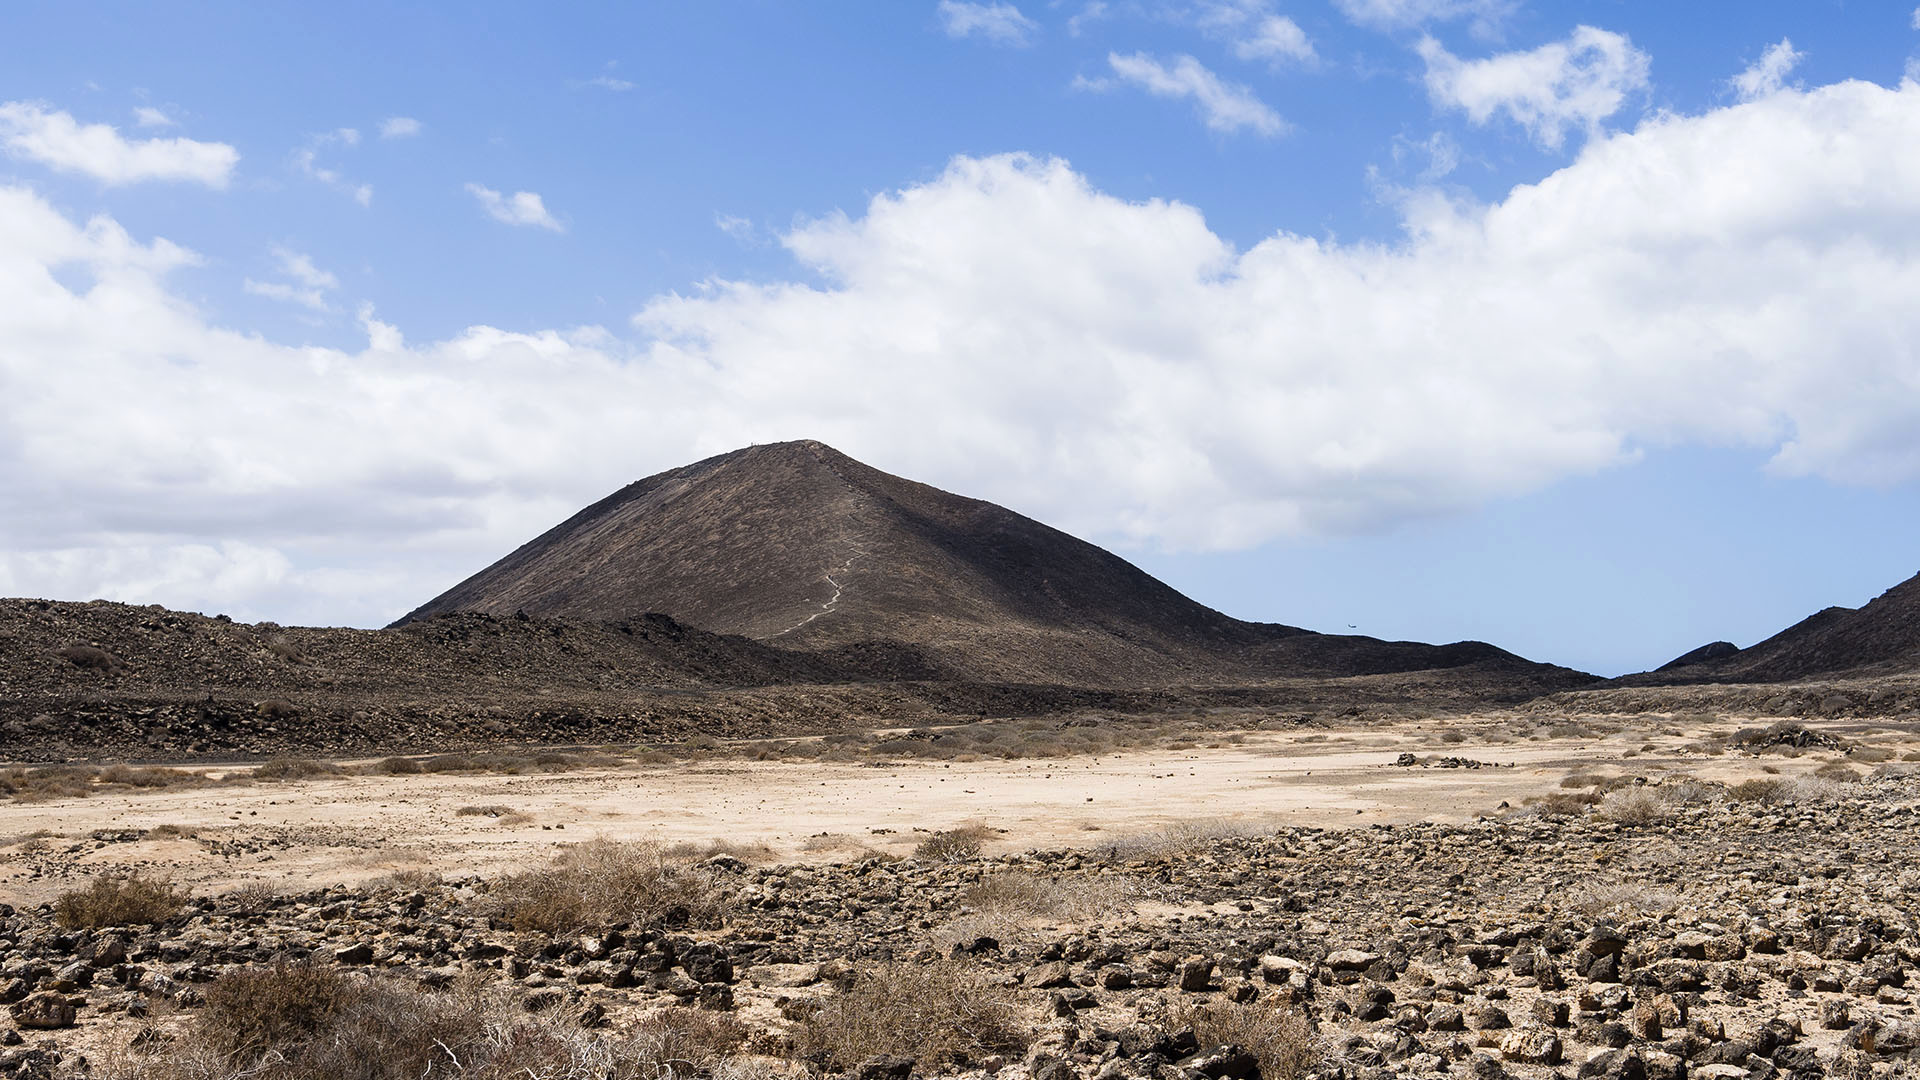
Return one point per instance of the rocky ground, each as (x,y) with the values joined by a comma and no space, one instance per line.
(1675,929)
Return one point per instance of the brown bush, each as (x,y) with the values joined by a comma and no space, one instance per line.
(308,1022)
(1279,1036)
(937,1014)
(266,1008)
(397,766)
(147,777)
(1771,791)
(46,782)
(292,768)
(603,882)
(130,900)
(953,845)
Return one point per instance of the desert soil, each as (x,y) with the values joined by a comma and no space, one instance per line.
(312,833)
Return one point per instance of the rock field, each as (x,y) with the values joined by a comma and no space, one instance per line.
(1700,934)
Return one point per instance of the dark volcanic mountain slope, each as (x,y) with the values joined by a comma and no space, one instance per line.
(1882,638)
(798,545)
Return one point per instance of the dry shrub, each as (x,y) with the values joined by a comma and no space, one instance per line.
(308,1022)
(147,777)
(118,900)
(602,883)
(1778,791)
(1838,772)
(282,1006)
(746,851)
(170,831)
(1633,806)
(397,766)
(1018,893)
(1279,1036)
(953,845)
(1563,804)
(46,782)
(252,898)
(1179,838)
(1618,900)
(292,768)
(937,1014)
(1871,755)
(493,810)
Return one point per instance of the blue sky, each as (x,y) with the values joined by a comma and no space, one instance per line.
(1583,328)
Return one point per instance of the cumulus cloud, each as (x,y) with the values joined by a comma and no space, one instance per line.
(55,139)
(399,127)
(1001,24)
(1565,85)
(1401,14)
(148,116)
(1769,73)
(519,208)
(1009,331)
(303,283)
(1226,107)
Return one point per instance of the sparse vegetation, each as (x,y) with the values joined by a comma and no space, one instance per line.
(292,768)
(953,845)
(118,900)
(1279,1036)
(603,882)
(937,1014)
(309,1022)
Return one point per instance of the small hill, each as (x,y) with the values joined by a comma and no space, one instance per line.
(1881,638)
(797,545)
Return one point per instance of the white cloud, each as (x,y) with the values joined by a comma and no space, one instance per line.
(1275,38)
(1001,24)
(1401,14)
(1565,85)
(54,139)
(1915,21)
(1768,73)
(1254,31)
(307,161)
(519,208)
(1007,331)
(148,116)
(399,127)
(1226,107)
(307,286)
(1090,12)
(739,228)
(609,82)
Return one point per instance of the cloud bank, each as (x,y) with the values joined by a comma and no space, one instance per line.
(1006,330)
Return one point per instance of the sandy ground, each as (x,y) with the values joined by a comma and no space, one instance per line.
(318,832)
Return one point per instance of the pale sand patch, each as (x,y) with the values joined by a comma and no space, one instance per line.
(340,830)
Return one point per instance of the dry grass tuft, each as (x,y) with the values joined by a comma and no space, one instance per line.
(309,1022)
(292,768)
(130,900)
(1618,900)
(1179,838)
(953,845)
(601,883)
(753,852)
(1279,1036)
(938,1014)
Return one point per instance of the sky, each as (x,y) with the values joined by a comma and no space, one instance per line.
(1588,328)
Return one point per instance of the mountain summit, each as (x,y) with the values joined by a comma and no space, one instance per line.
(800,546)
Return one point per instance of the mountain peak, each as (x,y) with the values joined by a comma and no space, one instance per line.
(796,544)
